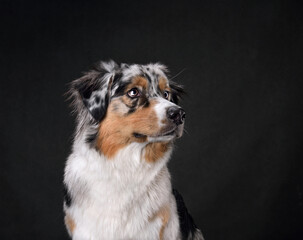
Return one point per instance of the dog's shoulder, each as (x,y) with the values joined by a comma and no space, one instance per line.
(188,228)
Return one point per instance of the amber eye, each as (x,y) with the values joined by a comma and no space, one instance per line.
(133,93)
(166,94)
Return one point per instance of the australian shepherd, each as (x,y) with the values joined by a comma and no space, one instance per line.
(117,185)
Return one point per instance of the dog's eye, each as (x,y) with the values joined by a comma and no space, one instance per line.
(166,94)
(133,93)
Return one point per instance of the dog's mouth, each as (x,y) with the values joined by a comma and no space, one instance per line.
(139,135)
(169,133)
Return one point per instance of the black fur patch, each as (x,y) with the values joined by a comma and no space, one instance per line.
(90,138)
(100,112)
(187,225)
(67,196)
(143,100)
(146,104)
(117,78)
(177,92)
(97,99)
(131,110)
(121,88)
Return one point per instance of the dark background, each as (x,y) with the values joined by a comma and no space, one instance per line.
(239,166)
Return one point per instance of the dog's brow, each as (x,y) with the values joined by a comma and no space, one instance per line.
(162,84)
(139,81)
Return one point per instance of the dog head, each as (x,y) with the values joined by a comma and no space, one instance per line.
(121,104)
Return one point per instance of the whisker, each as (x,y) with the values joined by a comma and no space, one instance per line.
(184,130)
(178,74)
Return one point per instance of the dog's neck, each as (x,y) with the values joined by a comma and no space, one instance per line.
(104,180)
(136,163)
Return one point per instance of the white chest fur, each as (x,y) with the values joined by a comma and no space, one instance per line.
(120,198)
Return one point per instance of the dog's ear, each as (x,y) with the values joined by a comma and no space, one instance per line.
(177,92)
(92,91)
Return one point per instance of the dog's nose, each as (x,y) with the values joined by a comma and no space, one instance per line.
(176,114)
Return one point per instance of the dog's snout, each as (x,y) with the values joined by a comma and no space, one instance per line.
(176,114)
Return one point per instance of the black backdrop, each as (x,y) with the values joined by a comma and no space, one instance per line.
(239,166)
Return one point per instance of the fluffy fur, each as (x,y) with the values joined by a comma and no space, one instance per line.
(117,185)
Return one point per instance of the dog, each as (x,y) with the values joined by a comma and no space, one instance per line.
(117,184)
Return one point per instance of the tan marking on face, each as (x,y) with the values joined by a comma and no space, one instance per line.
(69,223)
(163,84)
(127,100)
(116,130)
(138,81)
(164,215)
(155,151)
